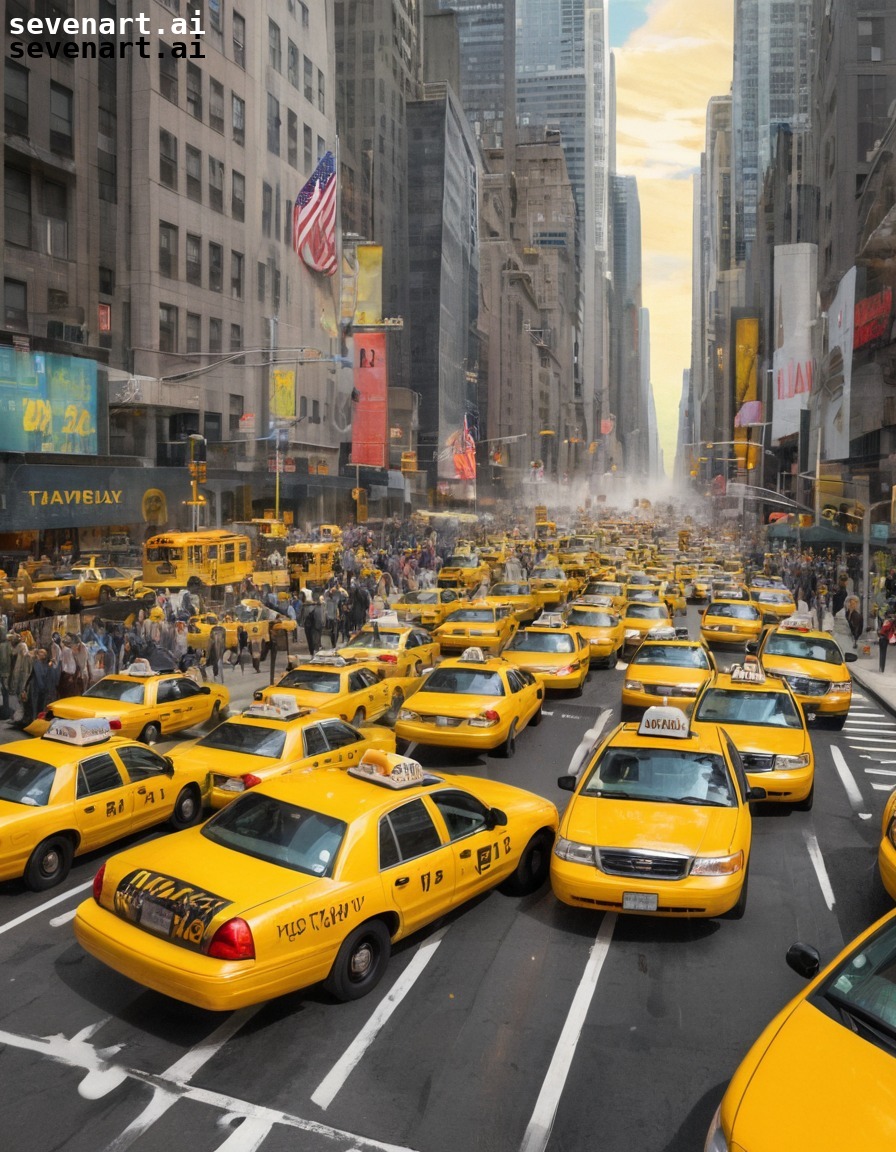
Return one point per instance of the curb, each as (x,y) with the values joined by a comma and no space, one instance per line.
(890,707)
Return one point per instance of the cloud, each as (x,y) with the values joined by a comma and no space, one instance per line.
(666,72)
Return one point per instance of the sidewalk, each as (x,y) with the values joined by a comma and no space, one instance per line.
(881,685)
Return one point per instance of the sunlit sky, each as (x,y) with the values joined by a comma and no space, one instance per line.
(671,57)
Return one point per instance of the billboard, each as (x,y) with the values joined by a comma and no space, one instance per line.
(47,403)
(283,393)
(793,364)
(370,425)
(835,407)
(746,350)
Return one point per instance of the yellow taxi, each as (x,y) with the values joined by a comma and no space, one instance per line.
(472,701)
(256,619)
(701,585)
(100,583)
(401,649)
(667,668)
(638,619)
(886,853)
(550,585)
(577,577)
(478,622)
(145,704)
(777,603)
(271,737)
(495,558)
(335,685)
(463,570)
(730,622)
(429,607)
(674,598)
(79,787)
(814,667)
(821,1075)
(525,604)
(311,878)
(659,822)
(595,617)
(768,728)
(558,653)
(615,589)
(725,590)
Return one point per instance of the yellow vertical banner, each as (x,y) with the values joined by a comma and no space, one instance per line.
(369,298)
(283,393)
(745,386)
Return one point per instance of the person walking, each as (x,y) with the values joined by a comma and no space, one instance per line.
(854,620)
(885,637)
(5,671)
(331,612)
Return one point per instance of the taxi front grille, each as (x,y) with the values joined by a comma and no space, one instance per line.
(757,761)
(442,721)
(807,685)
(670,690)
(647,865)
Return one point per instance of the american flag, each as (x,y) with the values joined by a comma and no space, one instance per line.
(314,219)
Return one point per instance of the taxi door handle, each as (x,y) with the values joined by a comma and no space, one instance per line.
(402,881)
(466,854)
(141,791)
(90,808)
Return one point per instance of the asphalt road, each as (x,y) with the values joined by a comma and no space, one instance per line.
(515,1025)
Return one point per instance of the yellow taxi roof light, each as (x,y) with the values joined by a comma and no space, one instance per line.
(139,667)
(276,707)
(328,658)
(550,620)
(388,768)
(80,732)
(662,720)
(473,655)
(747,673)
(595,601)
(664,632)
(797,623)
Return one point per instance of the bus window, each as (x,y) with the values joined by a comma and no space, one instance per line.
(229,554)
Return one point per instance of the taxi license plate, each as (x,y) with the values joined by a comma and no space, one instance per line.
(156,917)
(639,901)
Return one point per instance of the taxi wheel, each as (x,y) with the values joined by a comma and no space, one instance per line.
(105,595)
(395,706)
(49,863)
(151,733)
(359,717)
(805,805)
(737,912)
(187,808)
(532,869)
(508,747)
(215,717)
(360,962)
(537,718)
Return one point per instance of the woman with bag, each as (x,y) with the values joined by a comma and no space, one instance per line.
(885,637)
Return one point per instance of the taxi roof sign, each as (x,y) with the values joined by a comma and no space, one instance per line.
(750,672)
(329,658)
(279,706)
(664,632)
(550,620)
(389,769)
(79,732)
(139,667)
(665,721)
(473,655)
(798,623)
(593,600)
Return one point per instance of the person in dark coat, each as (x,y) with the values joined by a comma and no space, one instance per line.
(885,633)
(854,620)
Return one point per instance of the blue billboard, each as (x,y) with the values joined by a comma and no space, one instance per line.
(47,403)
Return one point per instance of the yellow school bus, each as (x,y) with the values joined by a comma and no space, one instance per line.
(213,557)
(312,565)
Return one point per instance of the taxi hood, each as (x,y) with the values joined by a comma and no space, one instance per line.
(682,828)
(86,708)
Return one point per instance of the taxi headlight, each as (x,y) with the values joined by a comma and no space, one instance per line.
(407,714)
(841,685)
(632,634)
(575,852)
(633,685)
(687,690)
(782,763)
(715,1137)
(718,865)
(891,832)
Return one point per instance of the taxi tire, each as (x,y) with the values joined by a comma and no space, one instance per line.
(151,734)
(368,948)
(805,805)
(105,595)
(537,717)
(507,747)
(737,912)
(49,863)
(532,868)
(187,808)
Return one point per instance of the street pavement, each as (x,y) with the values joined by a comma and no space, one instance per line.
(865,671)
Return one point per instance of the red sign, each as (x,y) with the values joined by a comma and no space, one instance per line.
(370,424)
(607,426)
(872,319)
(104,317)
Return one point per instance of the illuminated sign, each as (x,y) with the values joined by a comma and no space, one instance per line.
(872,320)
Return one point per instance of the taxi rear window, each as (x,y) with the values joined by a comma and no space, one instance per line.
(803,648)
(526,641)
(592,619)
(733,611)
(770,709)
(310,680)
(639,611)
(25,781)
(671,656)
(662,775)
(123,691)
(249,739)
(510,590)
(466,681)
(473,616)
(279,833)
(369,640)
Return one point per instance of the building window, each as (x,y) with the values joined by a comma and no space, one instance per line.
(194,332)
(215,328)
(871,105)
(15,99)
(167,328)
(236,338)
(194,91)
(216,183)
(15,303)
(216,105)
(167,73)
(309,79)
(107,175)
(273,125)
(17,206)
(275,55)
(238,196)
(275,286)
(239,40)
(54,228)
(236,275)
(262,285)
(239,120)
(304,8)
(215,267)
(267,208)
(309,149)
(292,138)
(168,250)
(167,159)
(321,147)
(194,173)
(292,64)
(61,120)
(321,91)
(107,281)
(194,260)
(287,223)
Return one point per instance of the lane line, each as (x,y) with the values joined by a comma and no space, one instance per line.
(539,1130)
(331,1084)
(41,908)
(820,871)
(57,921)
(881,787)
(852,789)
(879,772)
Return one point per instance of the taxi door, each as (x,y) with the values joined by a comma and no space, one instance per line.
(191,705)
(104,802)
(168,703)
(344,744)
(527,693)
(417,870)
(368,692)
(480,847)
(152,791)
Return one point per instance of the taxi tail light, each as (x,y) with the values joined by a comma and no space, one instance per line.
(250,780)
(233,941)
(47,714)
(115,725)
(98,883)
(389,658)
(485,719)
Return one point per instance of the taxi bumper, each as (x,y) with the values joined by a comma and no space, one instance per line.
(786,785)
(461,735)
(732,634)
(584,886)
(886,863)
(458,642)
(651,695)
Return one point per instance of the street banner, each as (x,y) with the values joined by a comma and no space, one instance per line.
(793,362)
(370,426)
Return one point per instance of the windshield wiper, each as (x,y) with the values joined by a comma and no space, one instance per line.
(856,1017)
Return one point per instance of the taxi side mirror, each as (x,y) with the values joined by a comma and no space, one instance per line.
(567,783)
(205,690)
(495,819)
(804,960)
(752,647)
(850,658)
(756,793)
(169,766)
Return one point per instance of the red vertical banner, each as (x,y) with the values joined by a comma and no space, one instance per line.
(370,425)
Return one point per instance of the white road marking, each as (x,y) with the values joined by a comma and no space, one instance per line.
(41,908)
(869,723)
(881,787)
(848,780)
(874,745)
(326,1091)
(58,921)
(879,772)
(820,871)
(539,1130)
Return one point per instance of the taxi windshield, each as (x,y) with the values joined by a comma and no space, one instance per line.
(664,775)
(249,739)
(728,706)
(473,616)
(418,598)
(124,691)
(603,588)
(671,656)
(774,597)
(369,639)
(25,781)
(803,648)
(549,574)
(863,987)
(733,611)
(464,681)
(462,561)
(311,680)
(279,833)
(592,619)
(527,641)
(639,611)
(510,590)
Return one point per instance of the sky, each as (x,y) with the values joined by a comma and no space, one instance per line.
(671,57)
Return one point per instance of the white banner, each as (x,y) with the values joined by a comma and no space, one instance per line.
(838,371)
(792,362)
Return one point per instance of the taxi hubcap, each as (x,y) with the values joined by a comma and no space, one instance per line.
(362,960)
(50,862)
